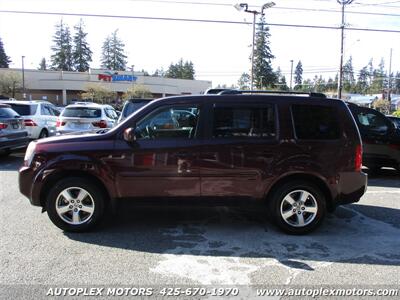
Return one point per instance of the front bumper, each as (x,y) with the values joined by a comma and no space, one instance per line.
(26,178)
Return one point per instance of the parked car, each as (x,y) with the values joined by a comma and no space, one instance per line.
(84,116)
(381,138)
(395,120)
(12,130)
(39,117)
(299,155)
(132,105)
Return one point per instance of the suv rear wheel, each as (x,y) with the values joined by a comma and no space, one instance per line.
(75,204)
(297,207)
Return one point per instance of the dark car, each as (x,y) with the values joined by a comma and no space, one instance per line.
(12,130)
(395,120)
(132,105)
(298,154)
(381,138)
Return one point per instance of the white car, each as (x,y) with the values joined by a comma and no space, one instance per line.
(40,117)
(86,116)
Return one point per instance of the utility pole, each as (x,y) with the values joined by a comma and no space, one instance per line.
(390,81)
(23,78)
(291,73)
(340,82)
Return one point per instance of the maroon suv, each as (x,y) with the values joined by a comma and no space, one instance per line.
(298,154)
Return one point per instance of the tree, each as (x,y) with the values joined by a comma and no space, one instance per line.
(378,76)
(4,59)
(62,59)
(98,93)
(244,82)
(159,73)
(42,65)
(362,81)
(82,55)
(382,105)
(181,70)
(263,72)
(298,75)
(10,83)
(349,81)
(113,56)
(138,91)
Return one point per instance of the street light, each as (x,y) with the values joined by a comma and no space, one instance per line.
(245,7)
(23,78)
(343,3)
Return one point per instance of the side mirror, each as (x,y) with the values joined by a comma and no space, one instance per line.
(129,135)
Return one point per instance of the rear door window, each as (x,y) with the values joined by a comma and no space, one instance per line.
(315,122)
(239,122)
(7,113)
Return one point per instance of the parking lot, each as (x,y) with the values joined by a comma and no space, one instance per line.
(358,244)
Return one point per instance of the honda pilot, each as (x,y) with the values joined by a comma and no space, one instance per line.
(300,155)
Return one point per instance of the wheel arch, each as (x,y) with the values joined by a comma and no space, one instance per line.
(313,179)
(54,178)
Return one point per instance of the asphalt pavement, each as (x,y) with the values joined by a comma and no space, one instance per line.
(357,245)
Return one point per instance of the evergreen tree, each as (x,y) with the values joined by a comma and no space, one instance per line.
(348,76)
(113,56)
(62,49)
(42,65)
(263,72)
(4,59)
(244,81)
(182,70)
(362,81)
(396,84)
(379,75)
(298,74)
(82,55)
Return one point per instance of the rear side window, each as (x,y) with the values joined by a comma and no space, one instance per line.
(24,109)
(131,107)
(6,113)
(81,112)
(313,122)
(234,122)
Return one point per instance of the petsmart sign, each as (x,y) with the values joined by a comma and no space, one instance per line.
(108,76)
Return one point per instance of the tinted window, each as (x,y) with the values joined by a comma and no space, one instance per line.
(45,110)
(244,122)
(313,122)
(6,112)
(169,123)
(24,109)
(372,121)
(81,112)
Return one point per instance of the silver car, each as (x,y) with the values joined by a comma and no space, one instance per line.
(39,117)
(84,116)
(12,130)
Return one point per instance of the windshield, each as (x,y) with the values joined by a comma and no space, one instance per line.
(131,107)
(24,109)
(81,112)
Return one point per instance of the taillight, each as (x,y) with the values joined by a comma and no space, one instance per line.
(60,123)
(101,124)
(28,122)
(3,126)
(358,159)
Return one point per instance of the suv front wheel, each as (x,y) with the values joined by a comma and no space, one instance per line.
(75,204)
(297,207)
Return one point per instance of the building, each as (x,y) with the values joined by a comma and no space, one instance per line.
(62,87)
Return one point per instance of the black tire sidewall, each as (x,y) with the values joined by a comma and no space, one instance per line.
(285,189)
(89,186)
(43,134)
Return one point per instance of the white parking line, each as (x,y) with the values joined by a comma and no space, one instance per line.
(383,192)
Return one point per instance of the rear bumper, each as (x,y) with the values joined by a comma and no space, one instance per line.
(353,186)
(15,143)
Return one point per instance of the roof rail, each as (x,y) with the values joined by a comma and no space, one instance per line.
(241,92)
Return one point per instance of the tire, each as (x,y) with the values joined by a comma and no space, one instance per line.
(288,210)
(75,204)
(43,134)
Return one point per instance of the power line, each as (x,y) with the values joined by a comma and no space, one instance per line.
(196,20)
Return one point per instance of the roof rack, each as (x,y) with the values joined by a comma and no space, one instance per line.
(241,92)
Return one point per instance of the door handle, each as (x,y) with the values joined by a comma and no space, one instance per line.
(116,157)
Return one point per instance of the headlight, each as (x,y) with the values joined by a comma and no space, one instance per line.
(30,152)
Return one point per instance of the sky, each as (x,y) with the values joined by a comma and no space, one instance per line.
(220,51)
